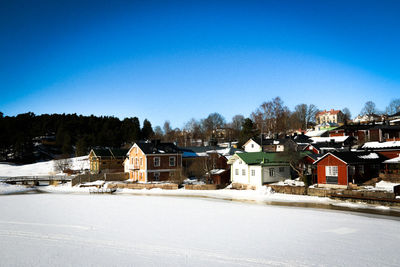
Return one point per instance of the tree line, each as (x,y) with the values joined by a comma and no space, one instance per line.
(71,133)
(76,133)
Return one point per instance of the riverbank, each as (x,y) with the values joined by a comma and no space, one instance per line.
(128,229)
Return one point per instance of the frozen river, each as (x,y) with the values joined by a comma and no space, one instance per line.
(123,230)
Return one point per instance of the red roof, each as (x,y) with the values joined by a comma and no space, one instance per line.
(332,112)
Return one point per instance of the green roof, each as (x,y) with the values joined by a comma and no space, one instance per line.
(263,158)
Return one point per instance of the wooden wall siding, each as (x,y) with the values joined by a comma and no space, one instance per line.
(164,162)
(332,161)
(336,134)
(390,154)
(374,135)
(98,164)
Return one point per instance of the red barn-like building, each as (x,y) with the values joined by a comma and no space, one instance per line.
(342,168)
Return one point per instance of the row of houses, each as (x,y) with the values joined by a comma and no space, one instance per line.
(331,157)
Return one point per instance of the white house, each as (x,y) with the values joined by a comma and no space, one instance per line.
(251,146)
(258,168)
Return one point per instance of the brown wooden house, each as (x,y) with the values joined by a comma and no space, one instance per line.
(107,159)
(154,161)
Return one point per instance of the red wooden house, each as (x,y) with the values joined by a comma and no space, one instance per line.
(342,168)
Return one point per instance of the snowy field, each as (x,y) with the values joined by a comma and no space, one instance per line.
(41,168)
(129,230)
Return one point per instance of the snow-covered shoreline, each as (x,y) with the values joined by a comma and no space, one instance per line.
(263,195)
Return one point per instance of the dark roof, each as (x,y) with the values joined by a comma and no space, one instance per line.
(394,115)
(387,127)
(110,152)
(158,148)
(314,156)
(327,145)
(357,157)
(302,138)
(117,152)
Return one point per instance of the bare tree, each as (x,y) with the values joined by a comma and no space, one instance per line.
(393,107)
(305,114)
(62,165)
(237,122)
(158,133)
(212,122)
(347,114)
(272,117)
(369,108)
(167,130)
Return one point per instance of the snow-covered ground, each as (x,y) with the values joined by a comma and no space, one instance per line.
(12,189)
(126,230)
(41,168)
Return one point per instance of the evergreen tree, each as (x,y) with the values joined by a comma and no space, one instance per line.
(147,130)
(248,131)
(81,148)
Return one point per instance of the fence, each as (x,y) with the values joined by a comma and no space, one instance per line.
(143,186)
(202,186)
(87,178)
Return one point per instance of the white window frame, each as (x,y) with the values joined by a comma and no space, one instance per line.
(271,172)
(157,176)
(331,171)
(243,172)
(174,159)
(253,172)
(236,171)
(155,161)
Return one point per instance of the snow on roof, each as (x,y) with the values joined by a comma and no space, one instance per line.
(217,171)
(382,145)
(394,160)
(315,133)
(337,139)
(369,156)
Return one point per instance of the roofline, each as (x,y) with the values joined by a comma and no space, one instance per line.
(249,141)
(304,149)
(329,153)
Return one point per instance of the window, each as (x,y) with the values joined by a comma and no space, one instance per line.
(236,171)
(240,162)
(171,161)
(136,162)
(271,172)
(253,172)
(243,172)
(141,161)
(157,162)
(252,145)
(156,176)
(331,173)
(281,169)
(331,170)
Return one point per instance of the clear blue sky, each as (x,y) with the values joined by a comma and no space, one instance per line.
(174,60)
